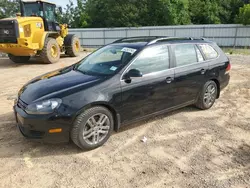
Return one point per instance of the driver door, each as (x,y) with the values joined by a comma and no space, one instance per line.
(151,93)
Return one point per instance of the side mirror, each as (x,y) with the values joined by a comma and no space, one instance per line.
(132,73)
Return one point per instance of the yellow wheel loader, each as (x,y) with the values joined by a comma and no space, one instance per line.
(36,32)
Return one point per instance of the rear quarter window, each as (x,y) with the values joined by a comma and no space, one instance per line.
(209,51)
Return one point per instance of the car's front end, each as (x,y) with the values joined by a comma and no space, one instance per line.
(45,121)
(48,105)
(45,110)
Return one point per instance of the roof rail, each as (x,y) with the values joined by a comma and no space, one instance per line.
(134,38)
(155,39)
(170,38)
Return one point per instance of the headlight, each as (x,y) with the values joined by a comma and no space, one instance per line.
(27,30)
(43,107)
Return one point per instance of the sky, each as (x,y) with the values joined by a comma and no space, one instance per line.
(62,3)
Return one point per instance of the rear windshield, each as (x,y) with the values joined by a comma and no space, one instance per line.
(107,60)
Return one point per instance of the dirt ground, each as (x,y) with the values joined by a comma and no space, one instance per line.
(185,148)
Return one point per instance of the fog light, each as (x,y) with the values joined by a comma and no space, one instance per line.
(55,130)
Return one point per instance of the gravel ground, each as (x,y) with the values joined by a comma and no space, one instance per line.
(185,148)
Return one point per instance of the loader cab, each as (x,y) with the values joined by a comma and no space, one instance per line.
(41,9)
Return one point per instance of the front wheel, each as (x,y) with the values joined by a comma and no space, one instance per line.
(19,59)
(92,128)
(207,96)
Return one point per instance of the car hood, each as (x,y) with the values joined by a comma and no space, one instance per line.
(55,83)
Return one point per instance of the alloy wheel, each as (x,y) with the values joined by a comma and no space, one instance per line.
(96,129)
(210,95)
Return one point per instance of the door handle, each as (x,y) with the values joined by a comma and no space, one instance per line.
(169,80)
(203,71)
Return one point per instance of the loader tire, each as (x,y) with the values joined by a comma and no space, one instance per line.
(19,59)
(51,51)
(72,45)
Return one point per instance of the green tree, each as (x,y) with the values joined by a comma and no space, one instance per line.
(214,11)
(8,8)
(79,16)
(204,11)
(244,15)
(112,13)
(74,16)
(133,13)
(165,12)
(67,16)
(229,9)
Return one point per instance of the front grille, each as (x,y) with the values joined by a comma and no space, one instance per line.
(9,31)
(21,104)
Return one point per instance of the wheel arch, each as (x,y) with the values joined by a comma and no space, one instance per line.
(40,37)
(116,115)
(218,86)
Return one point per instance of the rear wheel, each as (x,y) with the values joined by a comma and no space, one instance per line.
(92,128)
(207,96)
(72,45)
(51,51)
(19,59)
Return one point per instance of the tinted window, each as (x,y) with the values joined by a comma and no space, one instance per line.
(185,54)
(152,59)
(209,51)
(199,55)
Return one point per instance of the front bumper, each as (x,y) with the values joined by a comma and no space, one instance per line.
(37,127)
(23,48)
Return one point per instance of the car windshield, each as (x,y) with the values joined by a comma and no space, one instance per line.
(106,61)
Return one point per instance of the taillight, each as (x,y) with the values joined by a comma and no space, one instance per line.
(228,68)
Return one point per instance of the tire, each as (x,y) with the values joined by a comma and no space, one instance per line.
(85,131)
(51,51)
(207,96)
(19,59)
(72,45)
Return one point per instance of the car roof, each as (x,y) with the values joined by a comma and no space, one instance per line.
(141,41)
(135,45)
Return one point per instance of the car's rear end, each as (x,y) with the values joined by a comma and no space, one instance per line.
(222,65)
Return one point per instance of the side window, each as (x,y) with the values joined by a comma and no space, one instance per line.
(199,55)
(186,54)
(152,59)
(209,51)
(49,12)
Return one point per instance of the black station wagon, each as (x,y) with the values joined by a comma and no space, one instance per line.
(123,82)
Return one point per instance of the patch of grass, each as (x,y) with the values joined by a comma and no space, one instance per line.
(242,51)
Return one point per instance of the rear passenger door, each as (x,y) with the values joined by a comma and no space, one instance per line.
(190,70)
